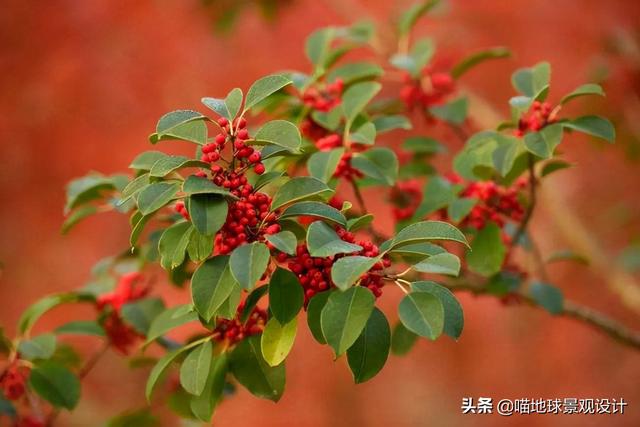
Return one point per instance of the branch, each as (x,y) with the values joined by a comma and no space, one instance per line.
(570,309)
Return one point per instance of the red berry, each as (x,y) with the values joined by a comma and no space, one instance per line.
(259,168)
(255,157)
(222,122)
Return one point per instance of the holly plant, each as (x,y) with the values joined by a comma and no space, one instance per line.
(265,226)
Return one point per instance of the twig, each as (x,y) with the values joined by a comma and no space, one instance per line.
(531,206)
(359,198)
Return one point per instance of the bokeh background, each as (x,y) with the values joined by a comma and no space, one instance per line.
(82,84)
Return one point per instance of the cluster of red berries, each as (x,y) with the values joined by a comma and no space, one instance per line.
(182,210)
(13,381)
(540,115)
(430,89)
(406,196)
(236,134)
(233,331)
(324,99)
(314,273)
(129,288)
(248,220)
(346,170)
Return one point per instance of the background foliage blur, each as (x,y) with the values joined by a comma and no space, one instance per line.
(83,83)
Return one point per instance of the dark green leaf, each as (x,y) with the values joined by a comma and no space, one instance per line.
(544,142)
(264,87)
(156,195)
(77,216)
(453,316)
(355,224)
(323,241)
(33,313)
(40,347)
(426,231)
(369,353)
(344,317)
(199,247)
(356,97)
(187,125)
(279,132)
(253,372)
(322,164)
(284,241)
(388,123)
(314,312)
(141,313)
(402,340)
(208,212)
(200,185)
(144,161)
(248,263)
(553,166)
(55,384)
(487,251)
(203,406)
(195,368)
(381,164)
(584,90)
(211,285)
(173,244)
(460,208)
(315,209)
(532,81)
(81,327)
(453,112)
(422,313)
(355,71)
(423,145)
(286,295)
(160,368)
(297,189)
(168,164)
(444,263)
(347,271)
(409,18)
(594,126)
(548,297)
(170,319)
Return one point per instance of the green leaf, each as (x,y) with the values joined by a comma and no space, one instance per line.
(138,223)
(594,126)
(472,60)
(369,353)
(356,97)
(40,347)
(281,133)
(228,107)
(298,189)
(253,372)
(284,241)
(422,52)
(314,312)
(323,241)
(156,195)
(208,212)
(200,185)
(277,340)
(160,368)
(199,247)
(547,296)
(553,166)
(229,309)
(453,316)
(423,145)
(355,224)
(532,81)
(264,87)
(81,327)
(409,18)
(170,319)
(211,285)
(139,418)
(87,189)
(168,164)
(187,125)
(286,295)
(144,161)
(544,142)
(452,112)
(423,314)
(347,270)
(444,263)
(203,406)
(134,187)
(476,156)
(36,310)
(355,71)
(322,164)
(381,164)
(392,122)
(318,46)
(365,134)
(173,244)
(460,208)
(195,368)
(505,155)
(344,317)
(248,263)
(55,384)
(141,313)
(266,178)
(402,340)
(426,231)
(77,216)
(584,90)
(438,193)
(316,210)
(487,251)
(252,301)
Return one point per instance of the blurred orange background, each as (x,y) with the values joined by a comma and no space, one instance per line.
(83,83)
